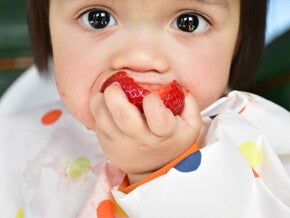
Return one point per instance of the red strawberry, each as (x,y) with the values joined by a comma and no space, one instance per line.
(171,94)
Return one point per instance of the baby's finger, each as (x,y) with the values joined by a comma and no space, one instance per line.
(103,118)
(191,113)
(160,119)
(126,115)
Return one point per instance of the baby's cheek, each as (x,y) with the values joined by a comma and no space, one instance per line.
(204,97)
(208,89)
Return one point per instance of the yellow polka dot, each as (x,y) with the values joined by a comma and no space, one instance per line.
(118,210)
(20,213)
(251,152)
(78,167)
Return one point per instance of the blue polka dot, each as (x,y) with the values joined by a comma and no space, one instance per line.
(190,163)
(213,116)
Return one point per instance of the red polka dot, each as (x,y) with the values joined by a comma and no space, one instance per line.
(105,209)
(51,117)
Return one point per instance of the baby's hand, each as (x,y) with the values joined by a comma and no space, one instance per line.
(140,143)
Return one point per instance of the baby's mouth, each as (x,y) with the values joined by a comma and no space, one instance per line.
(171,93)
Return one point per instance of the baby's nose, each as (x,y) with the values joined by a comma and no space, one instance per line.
(142,53)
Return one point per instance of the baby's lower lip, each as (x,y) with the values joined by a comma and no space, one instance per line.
(149,78)
(150,86)
(150,81)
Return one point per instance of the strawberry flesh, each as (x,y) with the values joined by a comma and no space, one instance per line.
(171,94)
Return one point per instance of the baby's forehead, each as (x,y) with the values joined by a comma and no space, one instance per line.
(225,3)
(221,3)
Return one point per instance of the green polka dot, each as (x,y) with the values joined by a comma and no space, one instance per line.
(251,152)
(20,213)
(78,167)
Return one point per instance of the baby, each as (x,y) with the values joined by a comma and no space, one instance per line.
(221,156)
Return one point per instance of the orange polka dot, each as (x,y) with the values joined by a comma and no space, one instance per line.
(242,110)
(51,117)
(255,173)
(105,209)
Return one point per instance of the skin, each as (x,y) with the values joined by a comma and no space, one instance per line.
(144,41)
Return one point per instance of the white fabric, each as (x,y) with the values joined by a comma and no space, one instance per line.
(35,160)
(28,91)
(54,167)
(240,173)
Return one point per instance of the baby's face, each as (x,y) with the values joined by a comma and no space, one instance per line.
(191,41)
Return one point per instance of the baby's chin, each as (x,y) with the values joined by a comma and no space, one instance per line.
(79,110)
(85,119)
(89,126)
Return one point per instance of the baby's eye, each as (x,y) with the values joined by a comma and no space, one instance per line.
(190,22)
(97,19)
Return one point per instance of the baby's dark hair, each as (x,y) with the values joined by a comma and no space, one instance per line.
(249,47)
